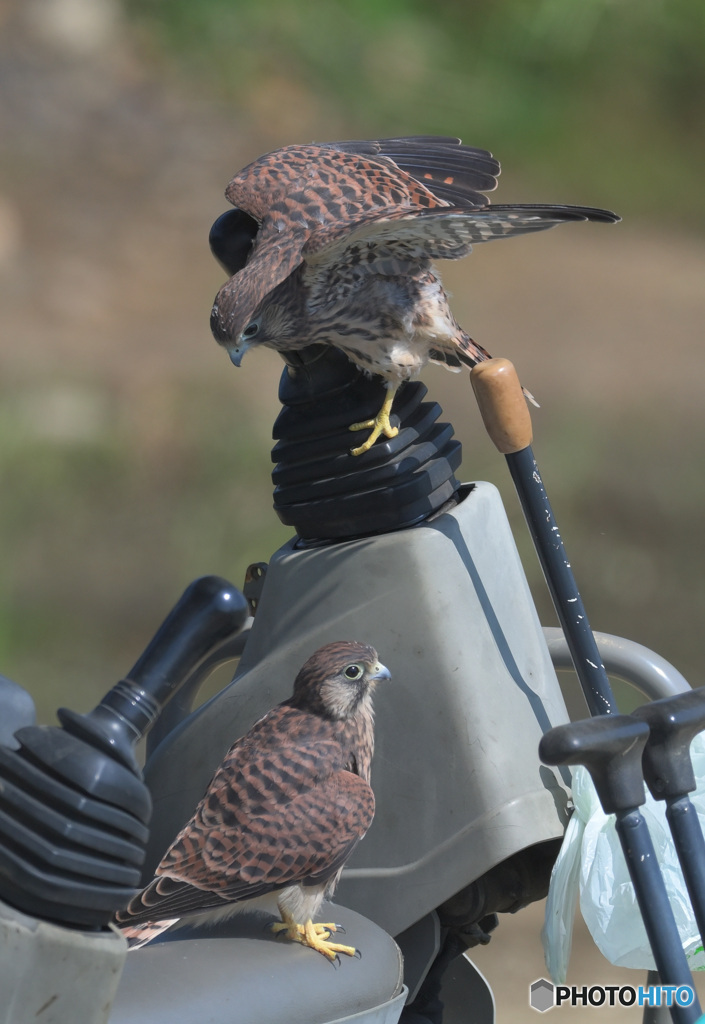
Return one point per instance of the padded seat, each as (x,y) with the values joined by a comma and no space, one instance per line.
(237,973)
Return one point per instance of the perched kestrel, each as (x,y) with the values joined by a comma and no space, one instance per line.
(347,232)
(282,814)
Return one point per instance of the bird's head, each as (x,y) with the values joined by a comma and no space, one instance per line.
(272,325)
(339,678)
(251,308)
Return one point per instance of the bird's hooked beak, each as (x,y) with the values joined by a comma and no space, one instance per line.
(236,352)
(379,673)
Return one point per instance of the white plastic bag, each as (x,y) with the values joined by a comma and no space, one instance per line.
(592,864)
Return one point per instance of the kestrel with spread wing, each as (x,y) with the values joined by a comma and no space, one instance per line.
(282,814)
(342,255)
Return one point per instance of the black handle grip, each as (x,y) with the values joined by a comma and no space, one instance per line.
(610,747)
(673,721)
(209,613)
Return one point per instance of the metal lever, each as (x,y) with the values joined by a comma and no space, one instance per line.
(73,806)
(507,420)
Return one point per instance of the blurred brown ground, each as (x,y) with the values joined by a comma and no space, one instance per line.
(110,181)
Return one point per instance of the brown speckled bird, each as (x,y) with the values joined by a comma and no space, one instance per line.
(347,232)
(282,814)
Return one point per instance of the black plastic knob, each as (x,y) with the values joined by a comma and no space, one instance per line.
(610,747)
(674,722)
(209,612)
(231,239)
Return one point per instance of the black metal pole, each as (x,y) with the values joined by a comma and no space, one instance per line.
(655,908)
(561,582)
(508,423)
(507,420)
(690,847)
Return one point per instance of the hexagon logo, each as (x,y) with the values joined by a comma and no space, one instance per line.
(542,995)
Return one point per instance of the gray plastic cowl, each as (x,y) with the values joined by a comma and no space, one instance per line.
(456,774)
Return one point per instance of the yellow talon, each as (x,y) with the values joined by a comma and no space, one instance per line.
(379,425)
(315,936)
(321,944)
(292,930)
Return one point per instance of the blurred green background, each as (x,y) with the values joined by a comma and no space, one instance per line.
(133,457)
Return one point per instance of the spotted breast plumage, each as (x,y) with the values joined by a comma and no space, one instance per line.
(342,255)
(282,814)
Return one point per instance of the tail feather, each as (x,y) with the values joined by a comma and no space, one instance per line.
(139,935)
(462,351)
(470,353)
(445,358)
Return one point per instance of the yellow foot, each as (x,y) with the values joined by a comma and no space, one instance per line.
(291,930)
(379,425)
(315,936)
(319,942)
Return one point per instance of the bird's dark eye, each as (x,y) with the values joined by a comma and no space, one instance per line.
(353,672)
(251,330)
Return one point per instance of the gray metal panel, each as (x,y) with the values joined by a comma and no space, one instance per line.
(457,777)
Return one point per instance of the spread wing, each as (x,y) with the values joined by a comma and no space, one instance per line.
(290,815)
(440,233)
(381,206)
(456,174)
(303,187)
